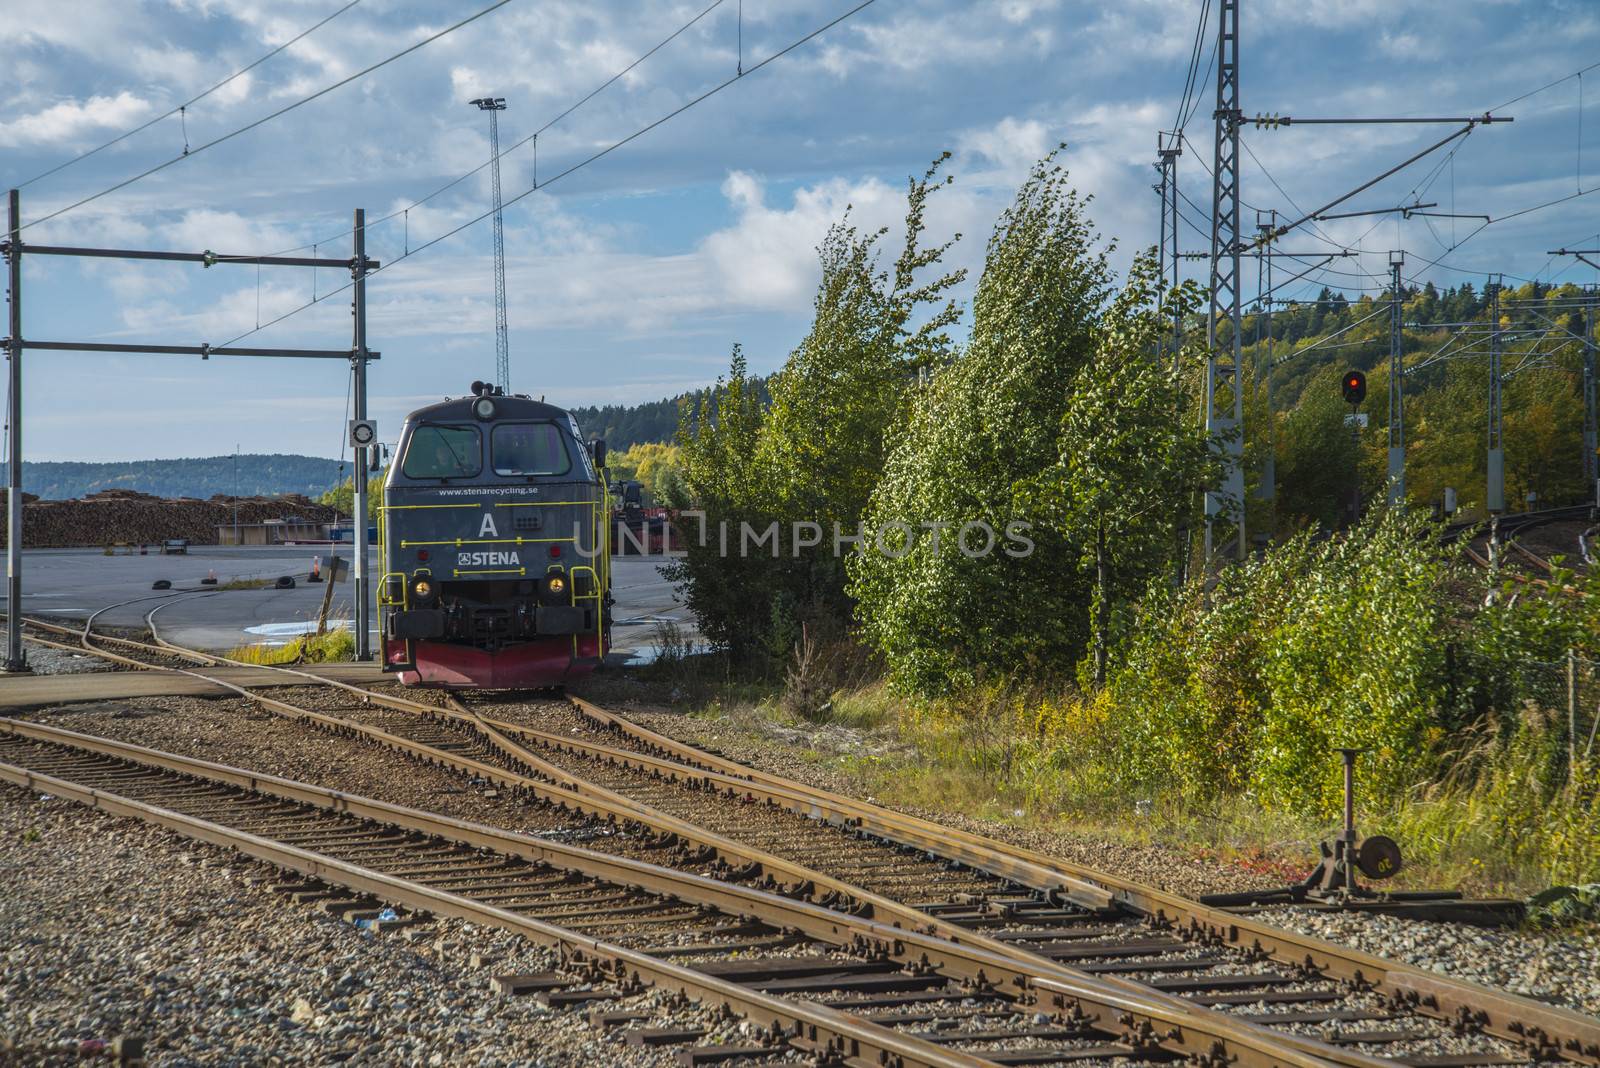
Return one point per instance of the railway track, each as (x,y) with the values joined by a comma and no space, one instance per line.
(1050,920)
(1509,530)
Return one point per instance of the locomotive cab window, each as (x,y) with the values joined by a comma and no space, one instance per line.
(440,451)
(529,449)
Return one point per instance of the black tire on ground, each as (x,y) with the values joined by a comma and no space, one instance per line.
(285,582)
(161,584)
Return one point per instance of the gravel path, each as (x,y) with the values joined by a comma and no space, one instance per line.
(113,929)
(44,660)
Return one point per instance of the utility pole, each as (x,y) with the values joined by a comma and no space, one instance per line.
(1169,152)
(1495,498)
(358,368)
(15,660)
(1397,436)
(1591,440)
(1266,222)
(502,343)
(236,493)
(1225,505)
(16,345)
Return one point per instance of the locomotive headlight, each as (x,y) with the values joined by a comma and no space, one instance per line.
(483,408)
(556,585)
(553,588)
(422,590)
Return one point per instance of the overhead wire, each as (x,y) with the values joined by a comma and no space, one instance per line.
(1189,85)
(301,102)
(579,165)
(608,83)
(182,108)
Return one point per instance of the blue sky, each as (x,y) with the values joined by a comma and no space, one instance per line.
(631,279)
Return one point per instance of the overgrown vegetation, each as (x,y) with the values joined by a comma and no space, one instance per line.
(337,644)
(1088,664)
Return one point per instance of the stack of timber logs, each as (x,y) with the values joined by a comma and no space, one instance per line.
(127,517)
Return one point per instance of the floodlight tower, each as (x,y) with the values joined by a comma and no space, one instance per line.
(502,344)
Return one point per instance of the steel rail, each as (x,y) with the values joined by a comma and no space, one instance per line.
(826,889)
(569,793)
(1112,1012)
(809,1026)
(1547,1028)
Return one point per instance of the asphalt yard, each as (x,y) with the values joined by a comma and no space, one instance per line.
(74,583)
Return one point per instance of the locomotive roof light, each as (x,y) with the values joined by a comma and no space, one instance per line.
(483,408)
(478,387)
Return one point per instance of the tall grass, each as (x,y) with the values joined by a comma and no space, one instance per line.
(1496,814)
(1504,809)
(334,645)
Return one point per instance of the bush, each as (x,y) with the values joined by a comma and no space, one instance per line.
(1314,644)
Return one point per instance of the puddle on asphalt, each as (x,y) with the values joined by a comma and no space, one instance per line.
(274,635)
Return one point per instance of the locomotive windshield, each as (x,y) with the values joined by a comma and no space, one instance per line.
(440,451)
(529,449)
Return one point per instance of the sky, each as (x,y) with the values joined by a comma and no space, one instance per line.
(632,277)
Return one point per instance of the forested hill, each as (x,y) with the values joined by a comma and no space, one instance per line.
(1446,395)
(1313,342)
(624,425)
(263,475)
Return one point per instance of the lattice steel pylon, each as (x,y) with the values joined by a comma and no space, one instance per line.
(1397,415)
(502,342)
(1224,384)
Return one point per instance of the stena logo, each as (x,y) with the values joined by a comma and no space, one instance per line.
(488,559)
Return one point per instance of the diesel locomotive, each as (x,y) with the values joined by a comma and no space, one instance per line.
(494,531)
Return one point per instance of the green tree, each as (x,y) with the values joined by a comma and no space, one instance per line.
(343,496)
(987,423)
(1317,456)
(718,442)
(654,465)
(815,454)
(1131,457)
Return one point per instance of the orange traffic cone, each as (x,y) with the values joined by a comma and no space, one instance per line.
(316,569)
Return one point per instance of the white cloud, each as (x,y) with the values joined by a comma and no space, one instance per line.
(70,120)
(1012,145)
(768,258)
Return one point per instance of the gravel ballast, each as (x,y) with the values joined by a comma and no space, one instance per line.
(1558,967)
(1563,968)
(113,929)
(45,660)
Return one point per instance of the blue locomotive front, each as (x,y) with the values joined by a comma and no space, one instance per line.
(495,564)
